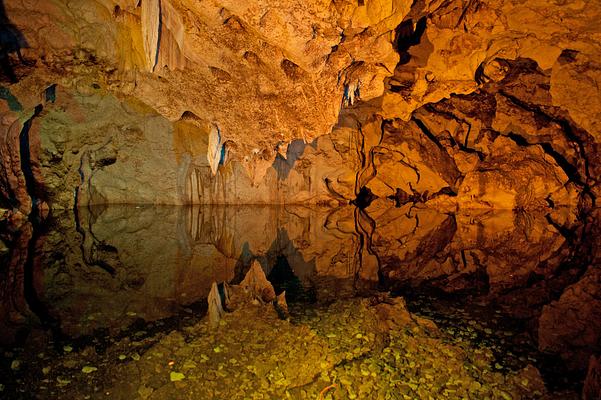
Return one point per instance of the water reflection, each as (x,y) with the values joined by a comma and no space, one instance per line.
(104,268)
(488,253)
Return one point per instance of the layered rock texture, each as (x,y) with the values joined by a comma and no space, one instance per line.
(462,104)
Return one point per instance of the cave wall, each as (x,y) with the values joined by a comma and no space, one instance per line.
(461,105)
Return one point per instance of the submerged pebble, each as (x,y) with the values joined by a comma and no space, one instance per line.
(88,369)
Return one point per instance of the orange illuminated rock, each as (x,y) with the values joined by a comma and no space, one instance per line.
(460,105)
(256,284)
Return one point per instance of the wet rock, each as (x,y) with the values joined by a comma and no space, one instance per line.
(451,92)
(255,283)
(110,151)
(215,305)
(282,305)
(393,314)
(247,54)
(525,187)
(408,160)
(568,326)
(13,184)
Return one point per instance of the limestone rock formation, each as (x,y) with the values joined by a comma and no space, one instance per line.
(247,67)
(255,283)
(215,310)
(447,145)
(461,104)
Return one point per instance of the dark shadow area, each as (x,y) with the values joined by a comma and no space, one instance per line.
(282,278)
(401,197)
(284,266)
(11,43)
(407,35)
(34,188)
(364,198)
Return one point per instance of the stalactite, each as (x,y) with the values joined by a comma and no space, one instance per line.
(214,149)
(151,31)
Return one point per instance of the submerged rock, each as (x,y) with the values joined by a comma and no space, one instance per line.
(4,214)
(359,348)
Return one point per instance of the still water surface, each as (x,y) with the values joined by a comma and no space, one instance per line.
(99,275)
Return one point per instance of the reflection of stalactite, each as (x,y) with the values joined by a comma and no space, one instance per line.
(192,223)
(13,306)
(91,247)
(32,283)
(205,224)
(365,227)
(20,286)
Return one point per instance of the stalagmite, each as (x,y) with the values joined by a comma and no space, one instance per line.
(256,284)
(216,310)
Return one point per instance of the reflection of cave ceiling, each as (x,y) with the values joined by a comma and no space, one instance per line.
(464,103)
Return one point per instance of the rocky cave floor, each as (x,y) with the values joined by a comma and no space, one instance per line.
(363,348)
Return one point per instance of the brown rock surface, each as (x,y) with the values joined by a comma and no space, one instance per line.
(570,326)
(592,383)
(12,181)
(279,70)
(451,146)
(255,283)
(229,102)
